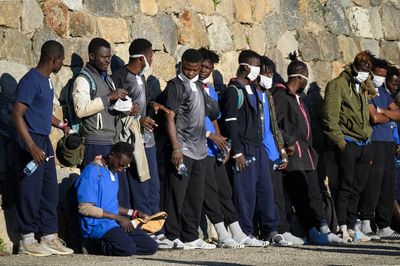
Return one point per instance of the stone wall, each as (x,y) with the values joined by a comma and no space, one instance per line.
(326,33)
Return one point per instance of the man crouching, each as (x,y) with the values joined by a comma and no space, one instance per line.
(101,217)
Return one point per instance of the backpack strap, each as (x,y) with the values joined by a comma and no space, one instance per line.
(93,88)
(179,89)
(240,95)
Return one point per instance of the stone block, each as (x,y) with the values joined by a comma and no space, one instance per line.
(204,7)
(239,37)
(390,22)
(169,32)
(273,6)
(257,38)
(376,2)
(360,22)
(336,19)
(229,64)
(348,48)
(32,16)
(376,23)
(175,6)
(363,3)
(274,27)
(113,29)
(146,27)
(291,15)
(163,66)
(370,45)
(149,7)
(15,46)
(219,34)
(56,16)
(74,5)
(243,11)
(286,44)
(390,51)
(13,68)
(226,9)
(308,46)
(39,38)
(191,30)
(10,14)
(337,68)
(82,24)
(109,8)
(260,8)
(76,51)
(320,72)
(329,45)
(122,51)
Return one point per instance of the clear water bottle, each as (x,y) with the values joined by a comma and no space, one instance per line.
(357,231)
(182,170)
(31,167)
(249,161)
(146,136)
(222,153)
(276,165)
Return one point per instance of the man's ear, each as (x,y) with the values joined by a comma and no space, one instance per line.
(91,56)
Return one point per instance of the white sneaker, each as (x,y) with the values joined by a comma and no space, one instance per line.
(34,248)
(294,239)
(363,238)
(57,246)
(345,234)
(199,244)
(163,242)
(178,244)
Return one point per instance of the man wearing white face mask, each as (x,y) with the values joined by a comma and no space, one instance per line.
(143,194)
(252,185)
(347,127)
(377,200)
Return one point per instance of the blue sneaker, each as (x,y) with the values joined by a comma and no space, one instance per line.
(317,238)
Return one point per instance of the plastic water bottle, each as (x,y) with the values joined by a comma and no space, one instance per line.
(182,170)
(222,153)
(31,167)
(249,161)
(357,231)
(276,165)
(146,136)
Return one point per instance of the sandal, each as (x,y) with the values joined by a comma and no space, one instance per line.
(253,242)
(199,244)
(230,243)
(279,240)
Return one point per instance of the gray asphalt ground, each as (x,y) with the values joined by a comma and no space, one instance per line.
(387,253)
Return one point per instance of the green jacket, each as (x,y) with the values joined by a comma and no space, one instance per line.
(345,110)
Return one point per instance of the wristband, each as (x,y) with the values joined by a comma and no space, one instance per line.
(130,212)
(177,150)
(135,213)
(62,125)
(237,155)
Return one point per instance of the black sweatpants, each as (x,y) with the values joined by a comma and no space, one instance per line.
(305,194)
(185,200)
(218,204)
(116,242)
(378,196)
(355,162)
(280,200)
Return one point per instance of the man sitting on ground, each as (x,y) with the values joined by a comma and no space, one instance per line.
(102,219)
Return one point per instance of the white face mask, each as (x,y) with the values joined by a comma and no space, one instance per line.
(265,82)
(185,79)
(362,76)
(378,81)
(146,67)
(254,71)
(304,77)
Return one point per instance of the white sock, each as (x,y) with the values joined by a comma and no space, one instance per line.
(385,232)
(28,238)
(324,229)
(237,233)
(49,237)
(366,226)
(221,231)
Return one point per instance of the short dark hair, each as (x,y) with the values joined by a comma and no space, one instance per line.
(139,46)
(209,55)
(363,59)
(246,55)
(392,71)
(192,56)
(123,148)
(267,63)
(380,63)
(51,49)
(96,43)
(296,66)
